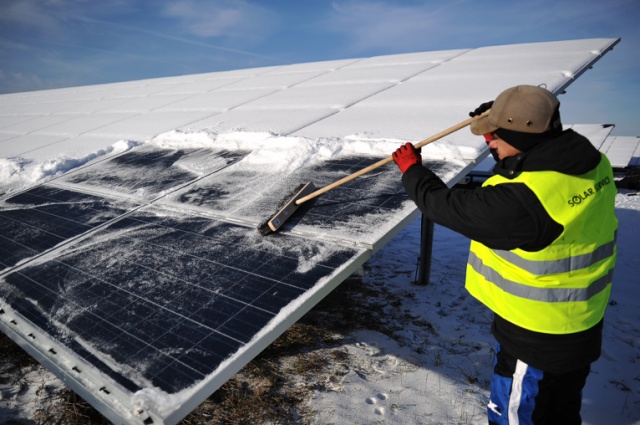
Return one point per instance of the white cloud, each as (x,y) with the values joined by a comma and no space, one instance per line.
(430,25)
(379,25)
(30,14)
(237,20)
(51,17)
(12,82)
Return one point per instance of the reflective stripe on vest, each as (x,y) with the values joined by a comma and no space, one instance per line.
(548,295)
(565,287)
(563,265)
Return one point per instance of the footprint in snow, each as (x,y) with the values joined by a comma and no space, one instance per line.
(380,397)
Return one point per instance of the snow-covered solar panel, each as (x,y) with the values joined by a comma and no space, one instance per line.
(622,151)
(130,262)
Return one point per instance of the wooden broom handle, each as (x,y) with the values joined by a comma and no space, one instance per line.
(390,158)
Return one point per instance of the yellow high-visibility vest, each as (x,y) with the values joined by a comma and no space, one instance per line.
(565,287)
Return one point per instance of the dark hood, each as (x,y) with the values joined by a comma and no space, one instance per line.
(568,153)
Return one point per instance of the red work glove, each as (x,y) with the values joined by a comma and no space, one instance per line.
(406,156)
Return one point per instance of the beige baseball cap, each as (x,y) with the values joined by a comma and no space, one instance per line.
(521,109)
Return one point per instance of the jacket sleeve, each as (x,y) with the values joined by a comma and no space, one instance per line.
(505,216)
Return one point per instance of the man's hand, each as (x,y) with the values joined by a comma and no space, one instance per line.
(481,109)
(406,156)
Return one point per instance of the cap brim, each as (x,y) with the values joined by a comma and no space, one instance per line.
(482,126)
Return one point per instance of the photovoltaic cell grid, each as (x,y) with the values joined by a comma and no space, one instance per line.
(148,172)
(162,297)
(358,205)
(372,195)
(37,220)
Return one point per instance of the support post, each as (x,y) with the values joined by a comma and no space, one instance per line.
(423,272)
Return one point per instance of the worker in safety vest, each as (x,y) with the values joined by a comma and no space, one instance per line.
(543,249)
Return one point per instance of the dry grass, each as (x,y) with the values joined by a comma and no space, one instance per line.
(65,407)
(271,389)
(13,360)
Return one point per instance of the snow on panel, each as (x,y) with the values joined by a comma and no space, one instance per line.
(277,121)
(22,144)
(219,100)
(326,66)
(622,151)
(148,103)
(312,96)
(145,126)
(7,136)
(10,121)
(597,134)
(32,107)
(77,125)
(439,98)
(37,124)
(273,80)
(62,156)
(410,58)
(72,152)
(197,87)
(91,106)
(360,73)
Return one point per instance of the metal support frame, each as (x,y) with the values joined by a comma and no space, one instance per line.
(423,271)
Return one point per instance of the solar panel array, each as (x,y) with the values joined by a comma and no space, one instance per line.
(140,279)
(622,151)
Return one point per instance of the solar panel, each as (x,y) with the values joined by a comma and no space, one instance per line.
(44,217)
(622,151)
(160,299)
(149,172)
(155,296)
(141,280)
(152,282)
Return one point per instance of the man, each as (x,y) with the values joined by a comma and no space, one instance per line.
(542,252)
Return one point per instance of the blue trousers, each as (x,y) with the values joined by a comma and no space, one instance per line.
(524,395)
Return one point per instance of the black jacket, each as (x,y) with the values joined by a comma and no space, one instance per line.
(509,216)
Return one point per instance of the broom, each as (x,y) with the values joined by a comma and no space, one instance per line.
(305,192)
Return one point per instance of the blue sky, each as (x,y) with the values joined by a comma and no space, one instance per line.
(60,43)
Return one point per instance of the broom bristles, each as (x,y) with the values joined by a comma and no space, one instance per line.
(264,227)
